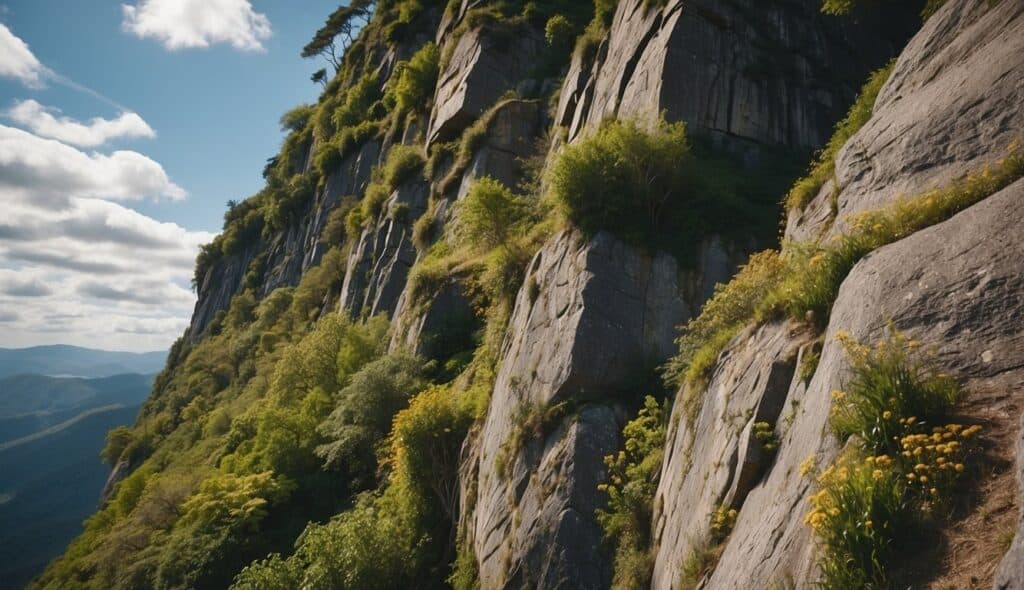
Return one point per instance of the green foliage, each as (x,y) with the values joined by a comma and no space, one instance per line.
(632,481)
(234,501)
(824,166)
(488,215)
(355,105)
(730,308)
(559,32)
(297,118)
(412,82)
(118,440)
(402,164)
(887,381)
(631,181)
(814,272)
(903,467)
(803,282)
(838,7)
(364,411)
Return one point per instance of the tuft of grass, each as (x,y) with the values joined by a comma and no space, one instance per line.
(903,468)
(815,271)
(730,308)
(888,381)
(824,166)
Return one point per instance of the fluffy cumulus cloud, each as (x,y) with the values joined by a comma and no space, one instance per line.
(182,24)
(48,173)
(77,265)
(17,60)
(98,131)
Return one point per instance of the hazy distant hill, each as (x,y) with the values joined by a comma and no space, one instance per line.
(48,486)
(75,361)
(31,403)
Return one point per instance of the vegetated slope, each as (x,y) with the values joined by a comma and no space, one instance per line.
(75,361)
(48,487)
(32,403)
(421,355)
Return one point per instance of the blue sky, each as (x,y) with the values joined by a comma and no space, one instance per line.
(215,110)
(125,125)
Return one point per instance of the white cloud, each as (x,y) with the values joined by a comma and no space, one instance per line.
(47,173)
(41,121)
(182,24)
(17,60)
(77,267)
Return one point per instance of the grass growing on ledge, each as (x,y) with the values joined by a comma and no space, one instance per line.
(632,482)
(803,281)
(824,166)
(903,467)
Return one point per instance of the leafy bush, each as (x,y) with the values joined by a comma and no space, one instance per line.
(824,166)
(413,81)
(559,32)
(364,412)
(633,182)
(403,162)
(632,481)
(488,214)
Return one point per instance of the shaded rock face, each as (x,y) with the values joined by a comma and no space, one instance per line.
(776,73)
(951,105)
(511,136)
(289,253)
(943,285)
(956,285)
(1011,569)
(483,67)
(380,261)
(590,324)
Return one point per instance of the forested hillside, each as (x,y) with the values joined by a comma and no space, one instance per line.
(561,294)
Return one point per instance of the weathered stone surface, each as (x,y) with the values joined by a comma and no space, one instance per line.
(772,72)
(591,322)
(483,67)
(380,261)
(1011,570)
(714,461)
(952,105)
(510,137)
(957,286)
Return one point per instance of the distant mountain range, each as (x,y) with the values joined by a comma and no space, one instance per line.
(75,361)
(52,429)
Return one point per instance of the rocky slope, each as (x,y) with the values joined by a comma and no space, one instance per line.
(594,316)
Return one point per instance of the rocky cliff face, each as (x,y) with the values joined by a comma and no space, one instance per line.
(595,317)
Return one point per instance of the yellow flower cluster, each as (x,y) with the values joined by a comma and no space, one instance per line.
(722,521)
(934,461)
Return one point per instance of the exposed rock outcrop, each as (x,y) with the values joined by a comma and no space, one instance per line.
(776,73)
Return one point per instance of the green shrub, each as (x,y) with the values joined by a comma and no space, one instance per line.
(355,105)
(824,166)
(297,118)
(559,32)
(488,214)
(632,481)
(413,81)
(404,162)
(633,182)
(364,411)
